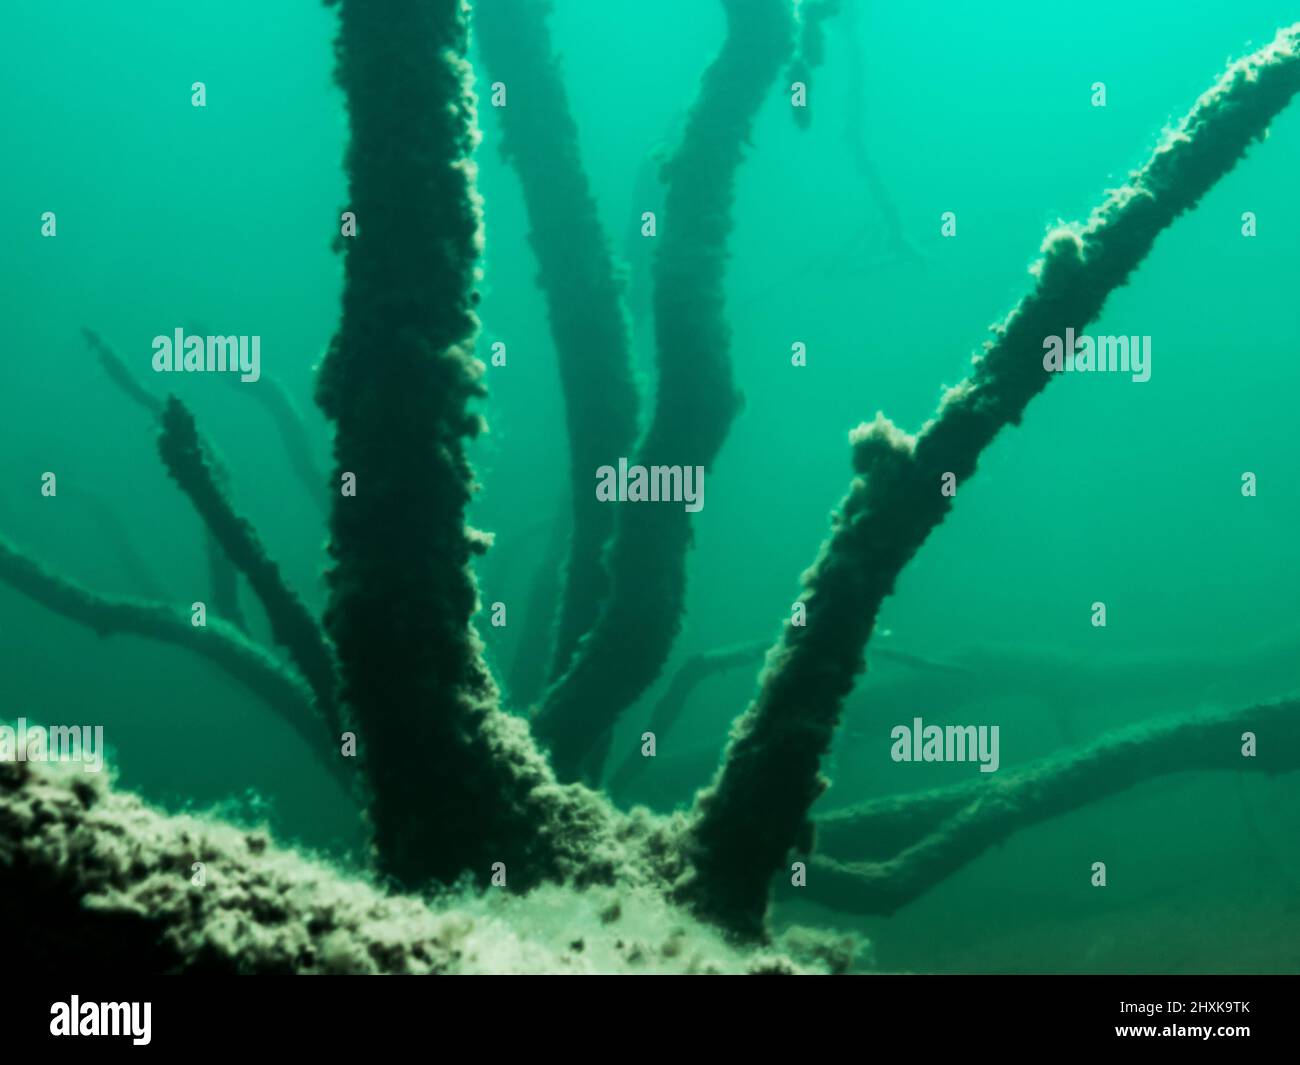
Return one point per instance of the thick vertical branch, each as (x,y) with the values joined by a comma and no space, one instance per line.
(696,399)
(454,783)
(757,808)
(577,276)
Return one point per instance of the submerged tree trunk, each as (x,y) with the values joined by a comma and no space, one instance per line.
(455,785)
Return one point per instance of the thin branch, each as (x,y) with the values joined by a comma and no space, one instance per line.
(224,589)
(694,671)
(284,412)
(292,625)
(223,583)
(932,834)
(526,676)
(699,667)
(120,374)
(219,642)
(669,707)
(810,49)
(897,247)
(109,525)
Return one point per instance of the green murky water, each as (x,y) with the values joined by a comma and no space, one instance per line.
(220,220)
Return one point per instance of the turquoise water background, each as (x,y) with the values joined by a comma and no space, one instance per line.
(1111,490)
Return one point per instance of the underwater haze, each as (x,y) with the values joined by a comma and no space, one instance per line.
(1126,553)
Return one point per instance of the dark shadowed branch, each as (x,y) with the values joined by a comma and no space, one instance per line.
(223,586)
(292,625)
(695,400)
(577,276)
(455,784)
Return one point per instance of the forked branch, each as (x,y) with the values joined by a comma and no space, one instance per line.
(756,810)
(920,840)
